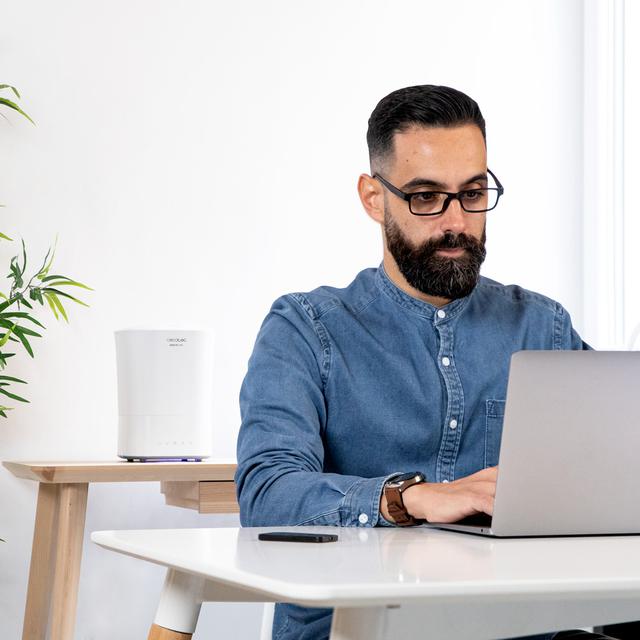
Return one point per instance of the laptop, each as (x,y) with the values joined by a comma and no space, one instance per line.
(570,448)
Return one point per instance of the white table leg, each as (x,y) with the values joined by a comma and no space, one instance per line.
(180,602)
(363,623)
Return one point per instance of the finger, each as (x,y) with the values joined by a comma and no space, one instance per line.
(484,504)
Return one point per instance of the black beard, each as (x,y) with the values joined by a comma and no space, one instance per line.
(437,276)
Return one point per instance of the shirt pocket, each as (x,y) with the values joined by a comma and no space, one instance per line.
(493,431)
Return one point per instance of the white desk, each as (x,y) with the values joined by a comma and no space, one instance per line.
(388,583)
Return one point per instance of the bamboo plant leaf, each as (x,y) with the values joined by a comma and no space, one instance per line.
(45,269)
(25,342)
(12,395)
(15,273)
(53,306)
(54,277)
(8,86)
(3,361)
(15,327)
(57,292)
(21,314)
(12,105)
(18,330)
(70,283)
(41,273)
(7,303)
(12,379)
(56,301)
(24,258)
(2,234)
(7,335)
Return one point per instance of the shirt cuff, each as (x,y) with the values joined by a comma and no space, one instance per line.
(362,503)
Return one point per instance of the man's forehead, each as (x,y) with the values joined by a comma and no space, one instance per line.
(441,139)
(440,155)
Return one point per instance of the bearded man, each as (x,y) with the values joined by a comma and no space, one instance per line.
(400,377)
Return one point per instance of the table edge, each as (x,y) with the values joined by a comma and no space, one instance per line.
(120,471)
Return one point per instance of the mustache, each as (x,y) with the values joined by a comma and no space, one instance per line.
(452,241)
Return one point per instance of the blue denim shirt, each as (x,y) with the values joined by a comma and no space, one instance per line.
(347,387)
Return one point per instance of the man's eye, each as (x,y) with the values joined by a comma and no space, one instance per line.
(425,196)
(475,194)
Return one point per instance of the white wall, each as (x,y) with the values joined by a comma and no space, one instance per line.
(200,158)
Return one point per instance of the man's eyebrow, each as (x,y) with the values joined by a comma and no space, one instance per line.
(426,182)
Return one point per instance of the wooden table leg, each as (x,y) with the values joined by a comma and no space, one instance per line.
(160,633)
(42,568)
(71,518)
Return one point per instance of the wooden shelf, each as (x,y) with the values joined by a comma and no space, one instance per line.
(121,471)
(203,496)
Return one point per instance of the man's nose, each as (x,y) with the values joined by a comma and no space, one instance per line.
(454,218)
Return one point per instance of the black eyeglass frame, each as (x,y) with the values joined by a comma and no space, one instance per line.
(450,196)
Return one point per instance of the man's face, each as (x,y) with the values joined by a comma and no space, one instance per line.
(440,255)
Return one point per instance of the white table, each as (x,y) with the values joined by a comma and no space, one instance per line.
(387,582)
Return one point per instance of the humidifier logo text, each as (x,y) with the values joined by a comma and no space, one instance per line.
(176,342)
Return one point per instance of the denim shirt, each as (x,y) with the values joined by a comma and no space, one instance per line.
(347,387)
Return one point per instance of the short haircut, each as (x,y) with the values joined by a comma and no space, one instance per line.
(425,105)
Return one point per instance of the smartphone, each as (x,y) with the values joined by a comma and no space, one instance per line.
(292,536)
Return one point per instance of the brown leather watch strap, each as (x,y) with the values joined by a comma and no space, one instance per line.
(395,505)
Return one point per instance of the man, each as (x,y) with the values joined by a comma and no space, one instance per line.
(406,368)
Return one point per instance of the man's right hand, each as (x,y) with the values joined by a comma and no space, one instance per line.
(452,501)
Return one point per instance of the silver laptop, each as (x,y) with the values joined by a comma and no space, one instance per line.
(570,451)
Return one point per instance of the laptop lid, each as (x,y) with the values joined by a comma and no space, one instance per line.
(569,451)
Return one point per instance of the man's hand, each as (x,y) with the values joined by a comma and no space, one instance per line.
(450,501)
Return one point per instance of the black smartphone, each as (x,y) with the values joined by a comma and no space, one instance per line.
(292,536)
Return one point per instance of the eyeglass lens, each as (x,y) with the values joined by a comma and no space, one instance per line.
(474,200)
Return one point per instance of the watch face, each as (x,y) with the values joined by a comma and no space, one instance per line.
(398,481)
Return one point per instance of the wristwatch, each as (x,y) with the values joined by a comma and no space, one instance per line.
(393,489)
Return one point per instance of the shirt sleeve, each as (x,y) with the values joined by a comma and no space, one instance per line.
(566,337)
(280,478)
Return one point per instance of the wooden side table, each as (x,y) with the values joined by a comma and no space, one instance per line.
(60,518)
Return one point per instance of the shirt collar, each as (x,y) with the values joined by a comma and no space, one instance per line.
(416,305)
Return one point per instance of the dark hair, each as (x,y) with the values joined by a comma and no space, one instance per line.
(424,105)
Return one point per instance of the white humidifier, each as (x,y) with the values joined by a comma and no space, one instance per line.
(165,391)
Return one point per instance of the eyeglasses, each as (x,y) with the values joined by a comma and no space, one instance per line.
(434,203)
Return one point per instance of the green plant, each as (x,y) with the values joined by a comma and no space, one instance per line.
(10,103)
(47,287)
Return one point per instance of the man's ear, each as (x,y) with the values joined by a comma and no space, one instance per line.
(372,197)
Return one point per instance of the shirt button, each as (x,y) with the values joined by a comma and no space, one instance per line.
(363,518)
(445,361)
(441,313)
(453,424)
